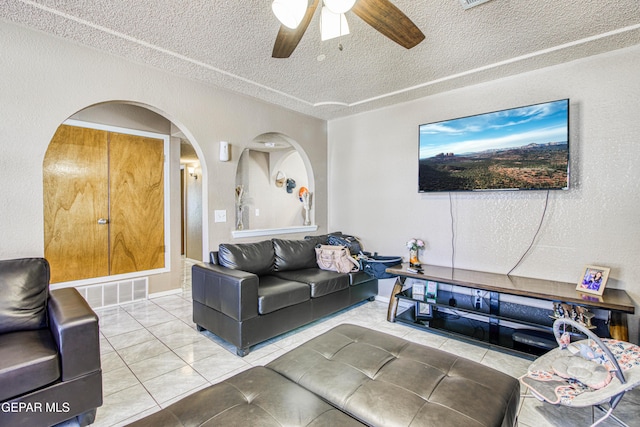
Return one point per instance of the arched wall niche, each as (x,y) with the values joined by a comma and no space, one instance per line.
(270,173)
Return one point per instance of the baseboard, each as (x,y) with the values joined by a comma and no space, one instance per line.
(383,299)
(165,293)
(401,303)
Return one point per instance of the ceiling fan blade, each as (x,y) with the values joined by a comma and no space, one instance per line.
(287,39)
(390,21)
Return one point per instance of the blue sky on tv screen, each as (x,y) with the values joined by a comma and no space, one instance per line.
(539,124)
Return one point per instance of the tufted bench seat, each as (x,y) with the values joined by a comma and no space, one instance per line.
(384,380)
(352,375)
(255,397)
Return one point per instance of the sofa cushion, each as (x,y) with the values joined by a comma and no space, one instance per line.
(357,369)
(256,258)
(255,397)
(294,254)
(275,293)
(24,286)
(321,282)
(28,360)
(318,240)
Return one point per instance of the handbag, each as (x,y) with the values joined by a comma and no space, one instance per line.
(335,258)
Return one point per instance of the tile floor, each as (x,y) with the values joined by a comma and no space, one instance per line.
(152,356)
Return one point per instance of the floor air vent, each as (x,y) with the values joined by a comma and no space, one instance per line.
(113,293)
(466,4)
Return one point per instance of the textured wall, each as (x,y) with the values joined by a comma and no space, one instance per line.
(595,222)
(44,80)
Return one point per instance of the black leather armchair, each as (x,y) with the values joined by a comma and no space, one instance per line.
(49,349)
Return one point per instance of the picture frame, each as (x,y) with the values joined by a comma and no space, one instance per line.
(423,311)
(417,290)
(431,291)
(593,280)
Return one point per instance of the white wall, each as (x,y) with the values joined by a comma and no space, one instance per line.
(373,174)
(44,80)
(277,208)
(193,213)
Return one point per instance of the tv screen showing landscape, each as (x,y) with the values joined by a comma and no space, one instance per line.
(524,148)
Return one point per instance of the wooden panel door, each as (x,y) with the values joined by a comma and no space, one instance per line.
(136,182)
(75,172)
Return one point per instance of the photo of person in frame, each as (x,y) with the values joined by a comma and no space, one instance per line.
(593,280)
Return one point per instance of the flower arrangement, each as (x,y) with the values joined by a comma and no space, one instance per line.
(415,244)
(240,195)
(240,203)
(305,197)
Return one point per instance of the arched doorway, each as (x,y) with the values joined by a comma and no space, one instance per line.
(130,123)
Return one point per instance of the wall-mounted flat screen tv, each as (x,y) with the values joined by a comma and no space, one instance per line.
(524,148)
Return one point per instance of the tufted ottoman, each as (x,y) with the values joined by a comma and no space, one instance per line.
(350,373)
(387,381)
(255,397)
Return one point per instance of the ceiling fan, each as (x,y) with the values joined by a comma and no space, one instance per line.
(382,15)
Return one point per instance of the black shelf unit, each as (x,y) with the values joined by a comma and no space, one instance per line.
(494,323)
(502,319)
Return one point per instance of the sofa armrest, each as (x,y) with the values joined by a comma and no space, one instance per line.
(74,326)
(231,292)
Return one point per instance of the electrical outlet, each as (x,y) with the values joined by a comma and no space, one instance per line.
(220,216)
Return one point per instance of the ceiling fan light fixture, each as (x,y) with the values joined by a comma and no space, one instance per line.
(339,6)
(332,25)
(290,12)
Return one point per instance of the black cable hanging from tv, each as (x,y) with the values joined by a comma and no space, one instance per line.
(535,236)
(453,233)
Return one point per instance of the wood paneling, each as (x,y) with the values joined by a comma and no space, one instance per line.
(75,196)
(136,184)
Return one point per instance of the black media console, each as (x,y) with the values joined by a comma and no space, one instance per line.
(507,312)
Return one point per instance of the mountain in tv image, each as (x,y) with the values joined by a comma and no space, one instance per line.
(531,166)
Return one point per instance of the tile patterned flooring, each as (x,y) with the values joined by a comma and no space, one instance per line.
(152,356)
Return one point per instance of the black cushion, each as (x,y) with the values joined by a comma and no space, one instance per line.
(28,360)
(275,293)
(24,289)
(256,258)
(294,254)
(321,282)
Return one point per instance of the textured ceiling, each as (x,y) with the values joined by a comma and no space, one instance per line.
(229,43)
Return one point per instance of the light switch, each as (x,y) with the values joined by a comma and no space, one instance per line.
(257,212)
(220,216)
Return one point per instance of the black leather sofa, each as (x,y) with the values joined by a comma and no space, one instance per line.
(251,292)
(353,376)
(49,349)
